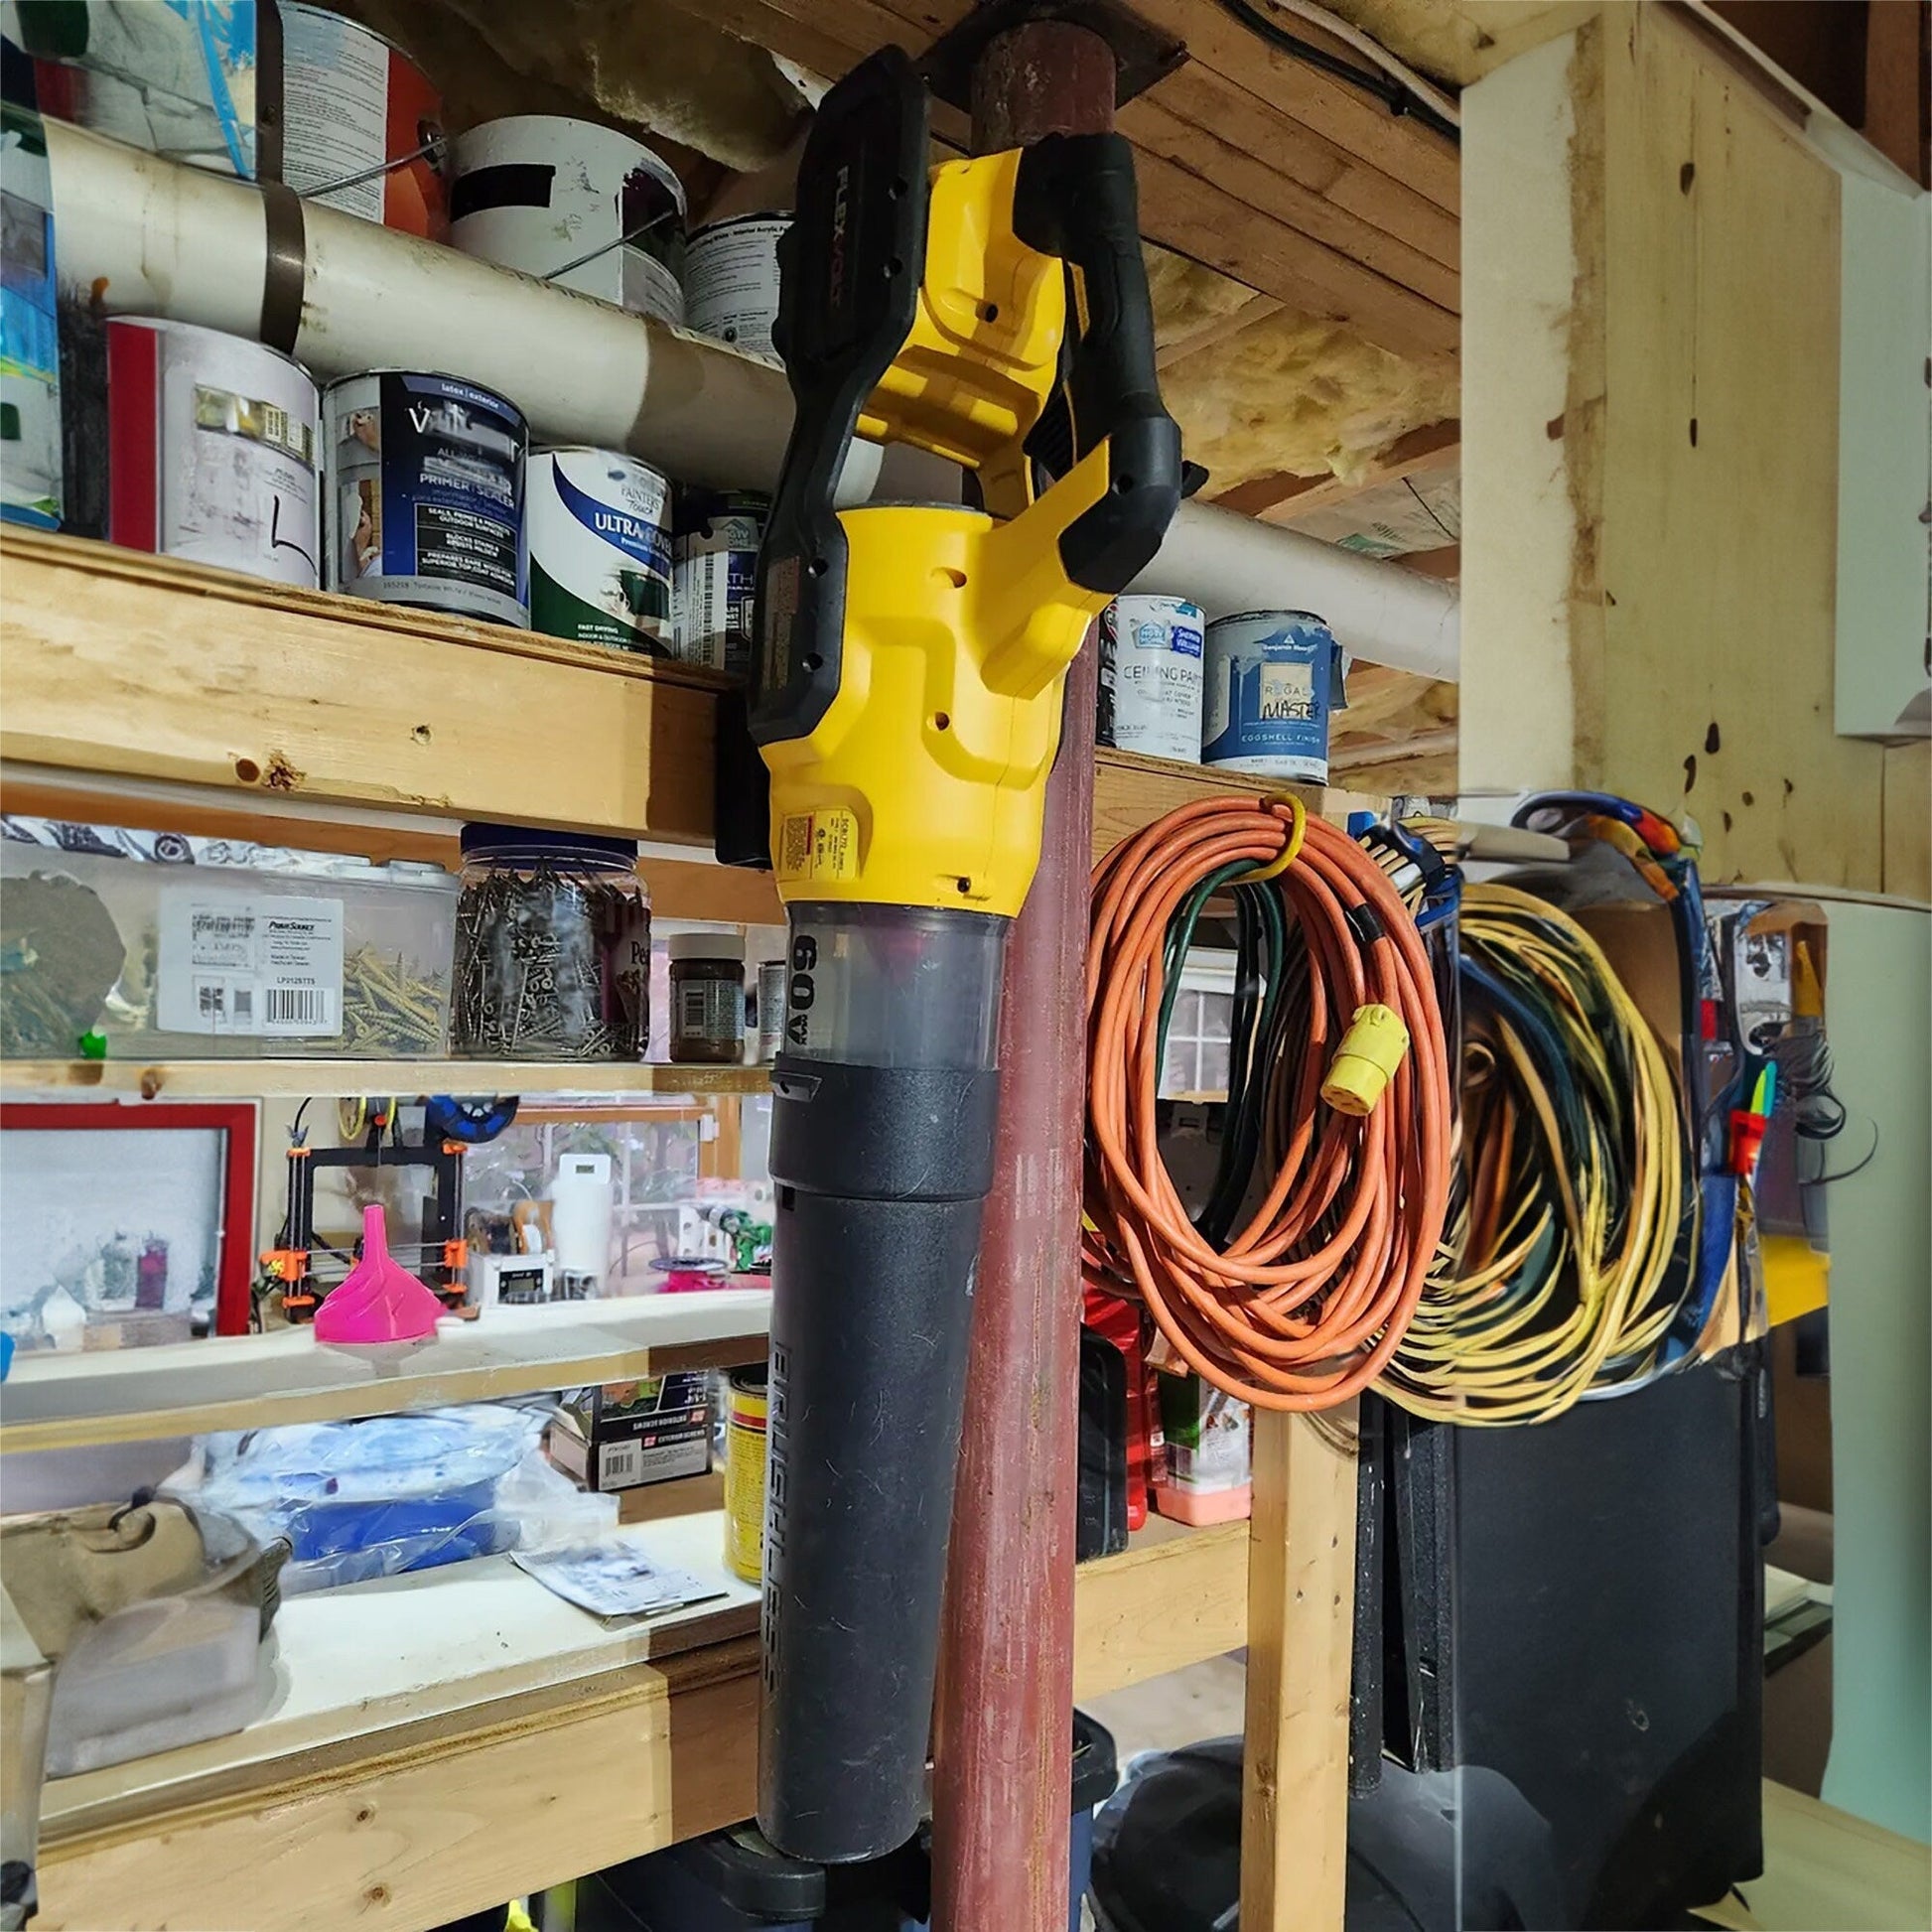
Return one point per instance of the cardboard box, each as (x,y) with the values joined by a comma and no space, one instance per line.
(623,1434)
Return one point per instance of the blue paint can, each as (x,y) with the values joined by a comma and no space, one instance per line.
(1272,679)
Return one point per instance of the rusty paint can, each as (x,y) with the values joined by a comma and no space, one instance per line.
(426,494)
(362,125)
(745,1421)
(212,447)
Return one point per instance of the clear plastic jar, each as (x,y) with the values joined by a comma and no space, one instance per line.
(552,948)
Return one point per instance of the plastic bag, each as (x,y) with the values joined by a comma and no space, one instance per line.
(373,1499)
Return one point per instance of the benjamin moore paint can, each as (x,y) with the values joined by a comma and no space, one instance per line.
(1273,677)
(715,576)
(730,281)
(1151,676)
(211,450)
(426,494)
(360,120)
(744,1426)
(574,204)
(599,549)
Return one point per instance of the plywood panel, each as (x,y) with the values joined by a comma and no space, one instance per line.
(1650,598)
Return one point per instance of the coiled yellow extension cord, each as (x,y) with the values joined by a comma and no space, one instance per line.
(1556,1272)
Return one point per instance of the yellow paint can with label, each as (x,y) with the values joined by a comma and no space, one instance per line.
(744,1414)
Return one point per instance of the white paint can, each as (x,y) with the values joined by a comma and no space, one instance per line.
(574,204)
(362,125)
(426,494)
(212,448)
(599,549)
(730,281)
(1151,676)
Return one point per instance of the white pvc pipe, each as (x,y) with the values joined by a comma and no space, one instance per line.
(1379,612)
(148,236)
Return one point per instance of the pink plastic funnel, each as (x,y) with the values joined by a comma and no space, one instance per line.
(381,1300)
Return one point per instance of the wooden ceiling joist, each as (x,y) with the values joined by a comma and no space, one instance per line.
(1281,497)
(1253,163)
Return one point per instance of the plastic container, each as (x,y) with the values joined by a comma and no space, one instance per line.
(218,948)
(552,948)
(707,997)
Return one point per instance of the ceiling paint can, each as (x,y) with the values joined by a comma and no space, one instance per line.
(1150,677)
(730,281)
(211,450)
(426,494)
(574,204)
(362,125)
(1273,677)
(600,549)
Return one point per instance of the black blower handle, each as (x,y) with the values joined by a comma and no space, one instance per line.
(1074,198)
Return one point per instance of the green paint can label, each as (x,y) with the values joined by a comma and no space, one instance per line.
(599,550)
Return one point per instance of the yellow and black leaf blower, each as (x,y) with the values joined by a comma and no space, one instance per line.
(906,698)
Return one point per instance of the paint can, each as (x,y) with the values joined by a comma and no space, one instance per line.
(426,494)
(730,281)
(746,1406)
(1273,678)
(1151,676)
(714,576)
(362,125)
(211,450)
(574,204)
(771,1009)
(599,549)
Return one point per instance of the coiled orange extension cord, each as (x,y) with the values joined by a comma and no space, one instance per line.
(1309,1301)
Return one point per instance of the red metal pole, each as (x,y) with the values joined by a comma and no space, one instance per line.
(1002,1726)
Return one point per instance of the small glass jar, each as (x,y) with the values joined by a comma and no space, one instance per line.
(707,997)
(552,948)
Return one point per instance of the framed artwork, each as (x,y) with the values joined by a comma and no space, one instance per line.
(125,1224)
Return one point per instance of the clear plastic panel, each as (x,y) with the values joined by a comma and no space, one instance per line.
(894,986)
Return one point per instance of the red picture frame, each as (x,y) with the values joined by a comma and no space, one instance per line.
(235,1273)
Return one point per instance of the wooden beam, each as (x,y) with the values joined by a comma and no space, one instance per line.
(1174,1597)
(1300,1638)
(125,664)
(1653,333)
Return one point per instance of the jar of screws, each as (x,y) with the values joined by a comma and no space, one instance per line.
(552,948)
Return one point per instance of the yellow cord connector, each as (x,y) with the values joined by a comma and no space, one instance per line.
(1365,1062)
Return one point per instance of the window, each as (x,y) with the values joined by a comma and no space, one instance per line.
(1196,1062)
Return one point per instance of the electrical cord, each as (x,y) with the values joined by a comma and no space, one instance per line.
(1575,1214)
(1399,96)
(1305,1305)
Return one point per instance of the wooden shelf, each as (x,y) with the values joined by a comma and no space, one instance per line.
(468,1706)
(1130,792)
(1176,1596)
(126,665)
(67,1401)
(249,1078)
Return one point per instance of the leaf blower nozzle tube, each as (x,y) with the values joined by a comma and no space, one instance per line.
(886,1098)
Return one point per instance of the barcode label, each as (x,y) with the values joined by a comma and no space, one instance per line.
(304,1007)
(618,1463)
(232,963)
